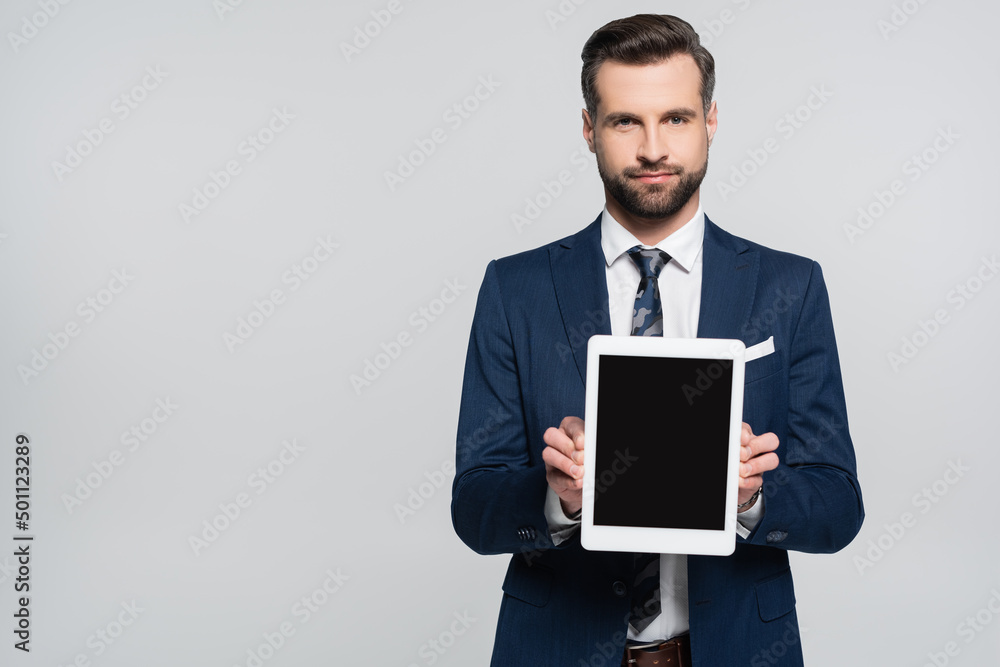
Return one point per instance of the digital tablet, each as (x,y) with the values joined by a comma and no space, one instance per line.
(662,444)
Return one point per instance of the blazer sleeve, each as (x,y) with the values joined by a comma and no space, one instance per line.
(498,495)
(813,499)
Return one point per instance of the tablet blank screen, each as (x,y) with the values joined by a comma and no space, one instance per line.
(662,442)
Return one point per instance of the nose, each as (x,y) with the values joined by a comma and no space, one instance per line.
(653,147)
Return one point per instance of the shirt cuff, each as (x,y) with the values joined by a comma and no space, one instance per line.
(747,521)
(561,527)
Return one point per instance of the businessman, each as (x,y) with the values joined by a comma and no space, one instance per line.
(652,263)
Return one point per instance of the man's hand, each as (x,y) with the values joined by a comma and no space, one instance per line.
(564,462)
(756,456)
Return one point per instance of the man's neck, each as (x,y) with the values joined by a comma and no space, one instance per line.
(652,231)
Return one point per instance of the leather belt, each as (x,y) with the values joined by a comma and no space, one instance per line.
(672,653)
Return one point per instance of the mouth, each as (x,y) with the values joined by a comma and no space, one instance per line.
(655,177)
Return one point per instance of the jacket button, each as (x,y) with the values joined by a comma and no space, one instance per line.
(776,536)
(619,588)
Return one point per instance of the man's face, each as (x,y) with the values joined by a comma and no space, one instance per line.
(651,138)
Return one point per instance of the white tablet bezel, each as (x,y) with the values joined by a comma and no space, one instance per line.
(662,540)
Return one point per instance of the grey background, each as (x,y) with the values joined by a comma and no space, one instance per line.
(335,506)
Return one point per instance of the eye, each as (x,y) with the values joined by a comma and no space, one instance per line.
(676,120)
(624,122)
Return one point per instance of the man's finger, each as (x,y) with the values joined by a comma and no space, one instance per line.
(759,464)
(765,442)
(557,439)
(746,434)
(562,484)
(559,461)
(573,428)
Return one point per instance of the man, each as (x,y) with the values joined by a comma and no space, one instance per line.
(650,119)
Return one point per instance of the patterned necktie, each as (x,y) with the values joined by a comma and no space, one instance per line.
(647,320)
(647,317)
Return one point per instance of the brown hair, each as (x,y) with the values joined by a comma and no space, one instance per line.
(644,39)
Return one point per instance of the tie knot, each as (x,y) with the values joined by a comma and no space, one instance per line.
(649,261)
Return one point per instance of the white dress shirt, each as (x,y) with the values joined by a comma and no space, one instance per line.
(680,295)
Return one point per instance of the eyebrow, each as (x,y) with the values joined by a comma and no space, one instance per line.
(686,112)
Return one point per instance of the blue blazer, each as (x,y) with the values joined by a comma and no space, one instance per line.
(525,371)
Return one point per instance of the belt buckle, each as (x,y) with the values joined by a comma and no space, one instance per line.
(639,647)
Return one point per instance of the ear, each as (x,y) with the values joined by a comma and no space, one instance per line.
(712,121)
(588,131)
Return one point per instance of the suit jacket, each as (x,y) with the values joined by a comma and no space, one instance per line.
(525,371)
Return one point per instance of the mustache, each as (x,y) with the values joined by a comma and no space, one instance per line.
(676,170)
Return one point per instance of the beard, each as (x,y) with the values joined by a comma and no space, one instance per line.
(652,201)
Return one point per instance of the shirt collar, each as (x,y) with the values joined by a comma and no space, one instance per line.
(683,246)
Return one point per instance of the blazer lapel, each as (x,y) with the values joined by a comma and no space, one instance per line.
(729,279)
(581,286)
